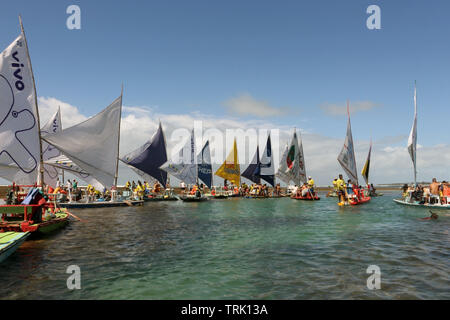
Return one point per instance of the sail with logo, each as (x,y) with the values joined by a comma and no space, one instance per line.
(295,162)
(20,146)
(204,165)
(150,157)
(230,169)
(346,157)
(184,168)
(53,125)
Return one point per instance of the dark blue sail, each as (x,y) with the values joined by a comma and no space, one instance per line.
(266,168)
(150,157)
(204,165)
(253,170)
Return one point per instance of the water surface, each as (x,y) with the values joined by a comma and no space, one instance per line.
(238,249)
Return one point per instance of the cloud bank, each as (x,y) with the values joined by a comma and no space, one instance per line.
(341,109)
(246,105)
(390,161)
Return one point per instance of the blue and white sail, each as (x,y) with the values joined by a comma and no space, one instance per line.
(412,140)
(150,157)
(204,165)
(346,157)
(253,170)
(20,147)
(53,125)
(266,167)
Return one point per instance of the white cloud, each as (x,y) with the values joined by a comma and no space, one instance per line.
(246,105)
(341,109)
(390,163)
(70,114)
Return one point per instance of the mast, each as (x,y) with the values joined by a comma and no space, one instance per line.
(118,140)
(41,159)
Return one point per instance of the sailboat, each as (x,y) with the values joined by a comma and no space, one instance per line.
(21,157)
(347,161)
(412,149)
(230,170)
(93,145)
(261,168)
(292,165)
(147,160)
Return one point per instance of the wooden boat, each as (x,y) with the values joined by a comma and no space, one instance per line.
(347,161)
(161,198)
(424,205)
(192,198)
(307,198)
(101,204)
(355,202)
(9,242)
(32,218)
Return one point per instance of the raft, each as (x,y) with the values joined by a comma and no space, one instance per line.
(101,204)
(194,198)
(424,205)
(307,198)
(355,202)
(9,242)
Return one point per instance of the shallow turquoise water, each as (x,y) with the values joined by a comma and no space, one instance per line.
(238,249)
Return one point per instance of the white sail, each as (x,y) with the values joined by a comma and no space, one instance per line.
(186,170)
(412,140)
(346,157)
(93,144)
(52,126)
(301,162)
(19,125)
(63,163)
(281,172)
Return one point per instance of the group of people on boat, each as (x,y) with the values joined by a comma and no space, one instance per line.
(348,192)
(434,193)
(140,190)
(306,190)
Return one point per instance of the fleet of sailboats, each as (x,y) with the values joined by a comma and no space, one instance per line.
(31,155)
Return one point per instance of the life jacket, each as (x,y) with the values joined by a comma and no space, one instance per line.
(213,192)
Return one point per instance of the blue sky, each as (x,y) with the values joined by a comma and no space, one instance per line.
(181,57)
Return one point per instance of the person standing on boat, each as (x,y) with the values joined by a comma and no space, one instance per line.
(311,184)
(69,189)
(434,190)
(341,187)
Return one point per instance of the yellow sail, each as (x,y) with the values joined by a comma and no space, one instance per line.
(230,169)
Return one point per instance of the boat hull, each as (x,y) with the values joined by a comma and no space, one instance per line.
(10,242)
(306,198)
(355,203)
(161,199)
(428,206)
(102,204)
(194,199)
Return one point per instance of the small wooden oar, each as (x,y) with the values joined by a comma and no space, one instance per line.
(128,202)
(74,216)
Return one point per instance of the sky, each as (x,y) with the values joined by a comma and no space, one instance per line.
(252,64)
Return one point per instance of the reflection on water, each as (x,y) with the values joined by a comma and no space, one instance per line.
(238,249)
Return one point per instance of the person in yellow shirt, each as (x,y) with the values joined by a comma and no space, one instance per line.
(341,187)
(311,185)
(335,185)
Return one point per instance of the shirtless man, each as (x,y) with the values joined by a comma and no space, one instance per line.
(434,188)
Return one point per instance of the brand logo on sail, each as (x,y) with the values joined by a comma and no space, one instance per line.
(17,73)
